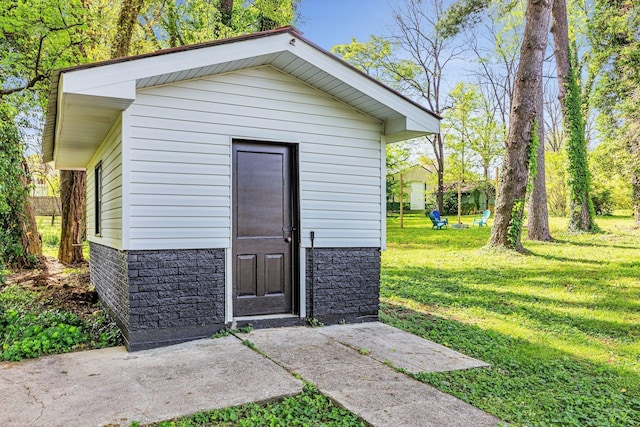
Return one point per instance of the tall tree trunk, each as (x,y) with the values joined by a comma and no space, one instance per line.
(19,238)
(72,187)
(507,228)
(560,32)
(538,212)
(580,207)
(129,12)
(31,239)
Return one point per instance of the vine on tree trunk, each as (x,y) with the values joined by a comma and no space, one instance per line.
(581,210)
(514,232)
(13,195)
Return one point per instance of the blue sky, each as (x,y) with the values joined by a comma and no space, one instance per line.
(330,22)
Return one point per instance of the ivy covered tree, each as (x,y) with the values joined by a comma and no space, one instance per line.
(19,246)
(581,212)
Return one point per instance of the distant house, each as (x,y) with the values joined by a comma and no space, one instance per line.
(237,180)
(415,181)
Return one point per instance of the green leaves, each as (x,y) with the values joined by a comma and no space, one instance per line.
(28,330)
(370,57)
(12,194)
(29,335)
(461,15)
(581,211)
(460,128)
(36,37)
(613,31)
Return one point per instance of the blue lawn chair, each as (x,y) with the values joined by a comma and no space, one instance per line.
(437,221)
(482,221)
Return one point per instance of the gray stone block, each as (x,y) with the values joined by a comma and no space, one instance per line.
(174,293)
(343,283)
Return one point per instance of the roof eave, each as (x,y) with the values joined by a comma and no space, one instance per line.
(410,119)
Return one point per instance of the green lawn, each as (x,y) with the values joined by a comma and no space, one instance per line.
(50,232)
(560,326)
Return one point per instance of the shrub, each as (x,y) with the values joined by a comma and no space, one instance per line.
(103,332)
(602,199)
(450,203)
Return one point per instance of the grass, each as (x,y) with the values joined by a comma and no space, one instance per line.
(309,408)
(50,233)
(560,326)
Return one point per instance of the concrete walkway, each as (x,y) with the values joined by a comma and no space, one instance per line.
(114,387)
(348,363)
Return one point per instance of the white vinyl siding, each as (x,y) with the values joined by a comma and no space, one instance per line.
(110,154)
(180,164)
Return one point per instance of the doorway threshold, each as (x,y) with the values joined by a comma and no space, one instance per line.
(265,317)
(268,321)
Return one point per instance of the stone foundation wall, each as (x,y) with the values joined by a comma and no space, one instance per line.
(345,283)
(169,296)
(161,297)
(109,274)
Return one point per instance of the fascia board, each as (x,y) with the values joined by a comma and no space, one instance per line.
(399,128)
(126,91)
(117,73)
(59,119)
(421,119)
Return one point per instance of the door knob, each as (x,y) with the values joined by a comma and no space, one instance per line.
(287,239)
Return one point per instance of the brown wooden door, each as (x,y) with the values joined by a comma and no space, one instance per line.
(262,229)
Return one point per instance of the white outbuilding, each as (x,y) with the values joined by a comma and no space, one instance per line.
(235,180)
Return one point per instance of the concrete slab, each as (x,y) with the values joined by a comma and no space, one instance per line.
(113,387)
(376,392)
(400,348)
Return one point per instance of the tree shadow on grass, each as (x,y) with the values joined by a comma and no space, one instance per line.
(527,384)
(566,259)
(594,244)
(448,289)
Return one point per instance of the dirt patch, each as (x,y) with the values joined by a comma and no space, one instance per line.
(59,286)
